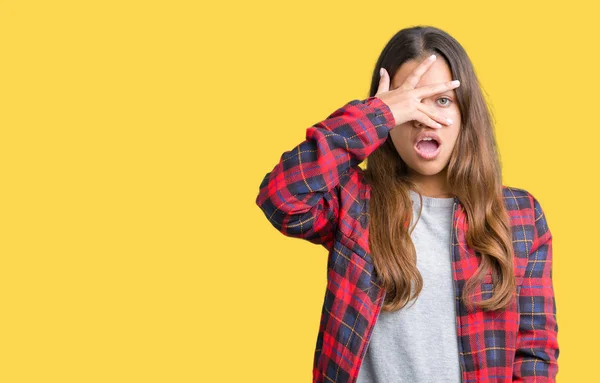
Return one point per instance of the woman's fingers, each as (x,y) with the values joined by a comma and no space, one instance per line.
(430,90)
(434,116)
(413,78)
(425,119)
(384,81)
(405,102)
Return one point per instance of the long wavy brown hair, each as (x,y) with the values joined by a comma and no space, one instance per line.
(474,176)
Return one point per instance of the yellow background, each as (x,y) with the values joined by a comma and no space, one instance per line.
(134,137)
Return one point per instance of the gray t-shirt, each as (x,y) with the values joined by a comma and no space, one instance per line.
(418,343)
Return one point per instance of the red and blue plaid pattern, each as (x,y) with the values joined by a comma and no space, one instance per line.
(316,192)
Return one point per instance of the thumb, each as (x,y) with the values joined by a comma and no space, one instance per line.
(384,81)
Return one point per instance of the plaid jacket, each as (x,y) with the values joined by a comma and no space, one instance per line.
(317,192)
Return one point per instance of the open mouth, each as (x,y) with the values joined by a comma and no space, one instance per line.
(428,148)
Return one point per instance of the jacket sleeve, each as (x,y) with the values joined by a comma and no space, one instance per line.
(537,343)
(300,196)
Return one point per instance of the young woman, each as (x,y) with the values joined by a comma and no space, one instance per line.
(427,222)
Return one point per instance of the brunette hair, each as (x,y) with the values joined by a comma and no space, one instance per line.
(474,175)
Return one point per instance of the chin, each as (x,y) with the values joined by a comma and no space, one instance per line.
(428,169)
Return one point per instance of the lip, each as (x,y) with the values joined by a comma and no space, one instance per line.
(432,155)
(425,134)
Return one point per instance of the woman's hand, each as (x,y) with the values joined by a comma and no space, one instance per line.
(405,101)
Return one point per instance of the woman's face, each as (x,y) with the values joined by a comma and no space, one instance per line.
(404,136)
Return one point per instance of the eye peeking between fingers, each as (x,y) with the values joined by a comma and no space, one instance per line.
(447,99)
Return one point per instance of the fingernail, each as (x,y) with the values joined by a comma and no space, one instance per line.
(381,72)
(455,82)
(432,57)
(449,120)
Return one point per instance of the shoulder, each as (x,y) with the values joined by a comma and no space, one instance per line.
(525,211)
(516,198)
(520,199)
(520,206)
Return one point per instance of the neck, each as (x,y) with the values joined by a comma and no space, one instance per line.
(434,186)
